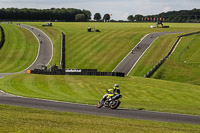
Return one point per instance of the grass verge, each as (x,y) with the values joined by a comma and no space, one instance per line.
(138,93)
(18,119)
(183,65)
(15,55)
(154,54)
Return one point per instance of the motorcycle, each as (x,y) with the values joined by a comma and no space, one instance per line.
(112,101)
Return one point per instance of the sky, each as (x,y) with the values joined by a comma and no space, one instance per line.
(120,9)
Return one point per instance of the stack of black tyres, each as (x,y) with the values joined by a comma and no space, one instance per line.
(2,37)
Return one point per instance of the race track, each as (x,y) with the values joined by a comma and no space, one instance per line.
(45,51)
(89,109)
(45,54)
(127,64)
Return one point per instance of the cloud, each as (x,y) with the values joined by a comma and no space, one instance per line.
(166,9)
(125,16)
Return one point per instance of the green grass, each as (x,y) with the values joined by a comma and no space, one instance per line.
(18,119)
(154,54)
(104,50)
(15,55)
(138,93)
(99,50)
(183,65)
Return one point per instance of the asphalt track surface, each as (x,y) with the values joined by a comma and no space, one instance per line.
(44,56)
(128,63)
(89,109)
(45,51)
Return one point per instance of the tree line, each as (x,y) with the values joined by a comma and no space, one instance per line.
(189,16)
(53,14)
(106,17)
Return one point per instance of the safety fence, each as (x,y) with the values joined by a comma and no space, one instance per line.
(155,68)
(62,56)
(2,37)
(91,72)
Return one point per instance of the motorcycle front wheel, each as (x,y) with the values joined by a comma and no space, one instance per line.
(115,104)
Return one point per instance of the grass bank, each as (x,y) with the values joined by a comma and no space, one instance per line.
(154,54)
(183,65)
(15,55)
(104,50)
(18,119)
(138,93)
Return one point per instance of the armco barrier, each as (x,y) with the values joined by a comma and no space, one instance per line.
(62,56)
(155,68)
(2,37)
(91,72)
(198,32)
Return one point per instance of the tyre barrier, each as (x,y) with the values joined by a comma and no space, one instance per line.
(198,32)
(62,56)
(2,37)
(89,72)
(155,68)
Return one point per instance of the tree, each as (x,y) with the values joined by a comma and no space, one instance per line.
(80,18)
(88,14)
(106,17)
(138,17)
(97,16)
(130,18)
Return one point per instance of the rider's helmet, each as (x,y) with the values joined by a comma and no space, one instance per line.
(116,85)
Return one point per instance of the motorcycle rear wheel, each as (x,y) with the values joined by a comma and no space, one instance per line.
(100,104)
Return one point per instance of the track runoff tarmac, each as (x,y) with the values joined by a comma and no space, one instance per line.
(45,56)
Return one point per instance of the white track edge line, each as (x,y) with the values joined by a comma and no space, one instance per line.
(37,53)
(141,56)
(49,40)
(131,51)
(146,50)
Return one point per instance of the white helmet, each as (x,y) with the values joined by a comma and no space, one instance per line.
(116,85)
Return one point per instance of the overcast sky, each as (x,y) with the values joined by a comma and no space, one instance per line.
(120,9)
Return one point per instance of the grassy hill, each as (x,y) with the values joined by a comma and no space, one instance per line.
(183,65)
(104,50)
(138,93)
(154,54)
(15,55)
(94,50)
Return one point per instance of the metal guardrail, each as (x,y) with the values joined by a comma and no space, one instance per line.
(89,72)
(62,56)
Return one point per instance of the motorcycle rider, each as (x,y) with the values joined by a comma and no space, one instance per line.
(115,91)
